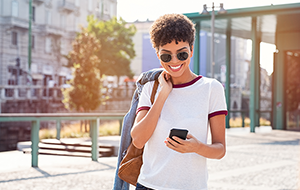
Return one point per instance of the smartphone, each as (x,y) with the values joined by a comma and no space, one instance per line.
(181,133)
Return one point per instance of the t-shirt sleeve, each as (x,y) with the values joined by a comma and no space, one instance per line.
(217,101)
(144,101)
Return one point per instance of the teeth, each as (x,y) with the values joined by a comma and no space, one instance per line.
(175,67)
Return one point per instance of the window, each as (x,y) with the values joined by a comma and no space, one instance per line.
(33,13)
(63,21)
(14,38)
(62,46)
(48,17)
(77,3)
(76,24)
(90,8)
(15,9)
(48,45)
(100,7)
(32,41)
(105,8)
(112,9)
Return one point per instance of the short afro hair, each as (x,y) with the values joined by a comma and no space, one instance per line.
(171,27)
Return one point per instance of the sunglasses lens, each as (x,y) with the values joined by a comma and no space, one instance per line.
(166,57)
(182,56)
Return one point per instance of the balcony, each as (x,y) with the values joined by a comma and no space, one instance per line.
(67,7)
(9,92)
(49,29)
(15,22)
(38,2)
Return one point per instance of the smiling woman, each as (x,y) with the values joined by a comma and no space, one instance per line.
(183,100)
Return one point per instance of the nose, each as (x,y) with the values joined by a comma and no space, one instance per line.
(174,58)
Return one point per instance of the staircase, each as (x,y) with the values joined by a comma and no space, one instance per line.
(67,148)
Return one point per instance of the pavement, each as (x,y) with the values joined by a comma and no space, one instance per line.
(265,160)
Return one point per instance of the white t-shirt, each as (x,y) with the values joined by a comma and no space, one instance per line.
(188,106)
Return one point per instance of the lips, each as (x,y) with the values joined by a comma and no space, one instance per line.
(175,68)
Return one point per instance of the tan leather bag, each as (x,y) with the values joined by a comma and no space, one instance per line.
(129,169)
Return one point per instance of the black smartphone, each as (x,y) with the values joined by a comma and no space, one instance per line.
(181,133)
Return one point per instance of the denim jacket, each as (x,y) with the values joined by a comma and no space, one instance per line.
(128,121)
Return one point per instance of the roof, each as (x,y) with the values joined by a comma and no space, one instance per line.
(239,20)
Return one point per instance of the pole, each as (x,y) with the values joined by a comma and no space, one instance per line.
(29,38)
(196,50)
(253,76)
(212,40)
(228,69)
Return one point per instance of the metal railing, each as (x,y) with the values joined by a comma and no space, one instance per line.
(22,92)
(35,118)
(12,92)
(244,112)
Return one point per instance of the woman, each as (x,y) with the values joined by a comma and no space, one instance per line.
(185,101)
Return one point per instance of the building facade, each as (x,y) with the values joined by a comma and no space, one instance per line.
(54,26)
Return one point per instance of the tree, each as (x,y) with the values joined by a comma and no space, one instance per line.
(117,45)
(103,48)
(84,94)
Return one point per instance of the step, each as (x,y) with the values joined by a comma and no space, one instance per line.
(68,143)
(68,153)
(72,148)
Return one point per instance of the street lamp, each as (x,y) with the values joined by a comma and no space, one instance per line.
(205,12)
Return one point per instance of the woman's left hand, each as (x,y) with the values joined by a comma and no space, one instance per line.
(191,144)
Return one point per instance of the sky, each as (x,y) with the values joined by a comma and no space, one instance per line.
(132,10)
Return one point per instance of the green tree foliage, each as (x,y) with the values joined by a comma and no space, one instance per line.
(117,46)
(102,48)
(84,94)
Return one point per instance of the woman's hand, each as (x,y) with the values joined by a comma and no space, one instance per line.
(191,144)
(165,82)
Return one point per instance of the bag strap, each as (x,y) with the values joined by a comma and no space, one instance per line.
(154,91)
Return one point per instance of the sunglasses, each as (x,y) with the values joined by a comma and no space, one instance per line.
(182,56)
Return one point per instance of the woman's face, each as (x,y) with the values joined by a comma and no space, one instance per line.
(180,55)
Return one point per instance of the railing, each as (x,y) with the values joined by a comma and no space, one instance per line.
(94,119)
(13,92)
(243,113)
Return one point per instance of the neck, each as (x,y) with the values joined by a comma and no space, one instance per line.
(185,78)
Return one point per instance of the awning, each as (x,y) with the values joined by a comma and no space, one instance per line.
(239,20)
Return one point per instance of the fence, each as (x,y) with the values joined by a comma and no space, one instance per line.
(246,112)
(94,119)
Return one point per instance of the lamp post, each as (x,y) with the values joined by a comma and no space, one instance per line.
(212,48)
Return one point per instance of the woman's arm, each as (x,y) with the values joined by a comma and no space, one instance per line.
(215,150)
(146,120)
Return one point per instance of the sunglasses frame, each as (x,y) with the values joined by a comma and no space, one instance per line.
(172,55)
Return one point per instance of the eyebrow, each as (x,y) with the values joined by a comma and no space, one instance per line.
(176,51)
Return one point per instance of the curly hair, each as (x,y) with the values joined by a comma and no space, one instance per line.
(171,27)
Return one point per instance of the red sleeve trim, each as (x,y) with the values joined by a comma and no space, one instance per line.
(225,112)
(142,108)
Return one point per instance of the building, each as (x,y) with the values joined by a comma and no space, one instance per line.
(54,26)
(274,24)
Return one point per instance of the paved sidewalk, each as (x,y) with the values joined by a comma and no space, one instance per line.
(267,159)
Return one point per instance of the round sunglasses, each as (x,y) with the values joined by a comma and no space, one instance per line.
(182,56)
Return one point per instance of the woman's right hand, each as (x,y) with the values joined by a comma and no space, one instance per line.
(165,81)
